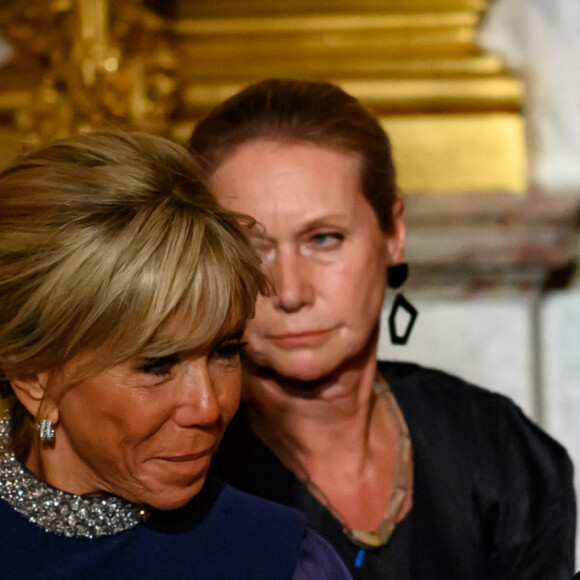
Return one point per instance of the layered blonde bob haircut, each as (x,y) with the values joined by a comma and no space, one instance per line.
(104,238)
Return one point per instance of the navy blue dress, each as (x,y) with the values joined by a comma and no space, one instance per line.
(222,534)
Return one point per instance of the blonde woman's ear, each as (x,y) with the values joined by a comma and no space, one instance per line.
(30,390)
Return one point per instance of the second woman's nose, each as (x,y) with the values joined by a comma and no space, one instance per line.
(292,281)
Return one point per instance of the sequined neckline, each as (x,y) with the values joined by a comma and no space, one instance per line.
(57,511)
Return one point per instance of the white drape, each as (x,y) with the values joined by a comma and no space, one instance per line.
(540,41)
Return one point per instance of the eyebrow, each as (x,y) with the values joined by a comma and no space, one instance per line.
(163,346)
(323,221)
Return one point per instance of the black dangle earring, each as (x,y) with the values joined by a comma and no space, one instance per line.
(397,275)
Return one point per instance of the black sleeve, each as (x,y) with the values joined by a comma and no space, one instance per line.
(535,521)
(494,490)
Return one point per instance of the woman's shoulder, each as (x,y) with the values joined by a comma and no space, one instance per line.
(415,385)
(505,473)
(247,509)
(258,535)
(465,413)
(220,505)
(436,384)
(222,532)
(319,561)
(314,557)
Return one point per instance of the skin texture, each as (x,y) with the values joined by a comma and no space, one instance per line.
(323,248)
(312,346)
(144,430)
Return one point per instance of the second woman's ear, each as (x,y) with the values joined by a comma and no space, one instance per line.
(395,240)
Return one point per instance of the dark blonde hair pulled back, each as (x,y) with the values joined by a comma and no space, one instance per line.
(316,112)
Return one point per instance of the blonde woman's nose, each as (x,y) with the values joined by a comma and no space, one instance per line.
(196,399)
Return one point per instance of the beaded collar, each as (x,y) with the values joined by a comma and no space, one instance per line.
(57,511)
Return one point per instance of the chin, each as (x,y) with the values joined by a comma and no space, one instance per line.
(306,375)
(167,500)
(312,365)
(306,370)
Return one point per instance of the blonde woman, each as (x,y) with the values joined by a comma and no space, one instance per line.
(124,291)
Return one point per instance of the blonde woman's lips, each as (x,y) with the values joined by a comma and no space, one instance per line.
(188,457)
(298,339)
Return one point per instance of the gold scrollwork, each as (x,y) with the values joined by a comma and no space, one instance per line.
(104,63)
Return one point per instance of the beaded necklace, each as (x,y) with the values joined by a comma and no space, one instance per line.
(402,480)
(57,511)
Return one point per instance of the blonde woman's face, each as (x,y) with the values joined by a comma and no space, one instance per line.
(323,248)
(146,430)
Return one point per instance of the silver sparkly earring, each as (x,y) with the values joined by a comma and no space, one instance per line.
(46,430)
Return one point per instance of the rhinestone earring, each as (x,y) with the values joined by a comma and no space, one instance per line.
(46,430)
(396,277)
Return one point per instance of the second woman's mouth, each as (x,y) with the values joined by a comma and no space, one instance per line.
(303,338)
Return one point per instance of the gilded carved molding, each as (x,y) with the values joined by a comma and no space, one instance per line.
(453,111)
(101,63)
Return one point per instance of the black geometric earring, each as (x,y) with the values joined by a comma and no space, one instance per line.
(396,277)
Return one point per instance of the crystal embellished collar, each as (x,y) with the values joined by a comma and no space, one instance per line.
(57,511)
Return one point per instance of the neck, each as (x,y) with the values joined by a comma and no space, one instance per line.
(306,423)
(343,439)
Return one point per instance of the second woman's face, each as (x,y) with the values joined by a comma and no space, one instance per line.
(323,248)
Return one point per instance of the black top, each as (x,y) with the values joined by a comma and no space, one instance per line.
(493,495)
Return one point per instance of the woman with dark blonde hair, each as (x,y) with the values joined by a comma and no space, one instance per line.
(410,473)
(124,291)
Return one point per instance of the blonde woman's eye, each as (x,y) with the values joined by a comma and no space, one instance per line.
(161,366)
(229,351)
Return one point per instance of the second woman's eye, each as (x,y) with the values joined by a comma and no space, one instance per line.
(327,240)
(161,366)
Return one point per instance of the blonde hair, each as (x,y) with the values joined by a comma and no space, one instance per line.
(103,237)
